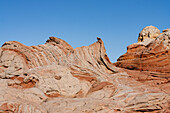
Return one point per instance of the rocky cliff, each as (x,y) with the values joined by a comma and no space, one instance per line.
(55,78)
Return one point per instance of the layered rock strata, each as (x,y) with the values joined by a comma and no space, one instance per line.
(151,53)
(55,78)
(148,61)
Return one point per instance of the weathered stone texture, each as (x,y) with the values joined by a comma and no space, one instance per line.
(55,78)
(149,55)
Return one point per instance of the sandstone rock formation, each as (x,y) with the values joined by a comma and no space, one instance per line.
(148,32)
(55,78)
(152,54)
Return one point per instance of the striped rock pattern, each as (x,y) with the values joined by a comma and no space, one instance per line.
(55,78)
(152,54)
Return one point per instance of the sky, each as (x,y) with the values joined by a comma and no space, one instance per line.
(80,22)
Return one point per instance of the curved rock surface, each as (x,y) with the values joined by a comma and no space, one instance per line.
(150,53)
(55,78)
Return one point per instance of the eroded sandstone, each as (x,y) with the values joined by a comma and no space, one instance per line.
(55,78)
(150,54)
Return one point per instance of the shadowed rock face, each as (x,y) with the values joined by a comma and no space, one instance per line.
(55,78)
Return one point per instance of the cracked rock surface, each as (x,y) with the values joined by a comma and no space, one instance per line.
(55,78)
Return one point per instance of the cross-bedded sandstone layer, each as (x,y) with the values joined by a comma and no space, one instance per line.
(151,53)
(55,78)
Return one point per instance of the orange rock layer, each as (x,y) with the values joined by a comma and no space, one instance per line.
(149,55)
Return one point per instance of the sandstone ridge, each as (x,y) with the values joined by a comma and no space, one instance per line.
(55,78)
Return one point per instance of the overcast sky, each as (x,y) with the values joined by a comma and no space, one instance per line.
(79,22)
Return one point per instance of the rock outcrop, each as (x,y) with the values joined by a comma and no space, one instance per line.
(55,78)
(148,32)
(148,61)
(150,53)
